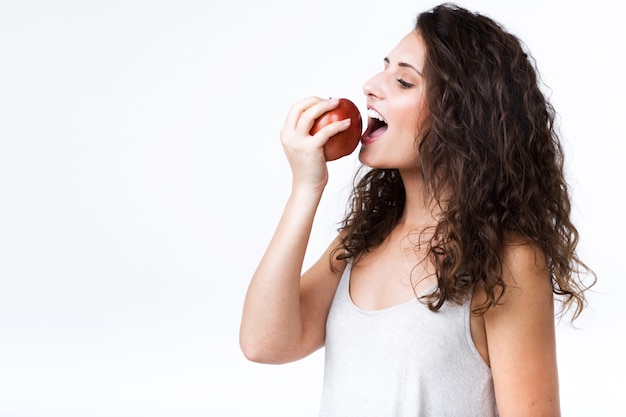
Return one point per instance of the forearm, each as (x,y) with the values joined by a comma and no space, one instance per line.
(273,326)
(272,319)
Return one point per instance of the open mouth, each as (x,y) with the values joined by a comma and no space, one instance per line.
(376,125)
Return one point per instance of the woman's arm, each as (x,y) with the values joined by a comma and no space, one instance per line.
(521,337)
(284,315)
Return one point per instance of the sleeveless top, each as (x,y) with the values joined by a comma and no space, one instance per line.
(402,361)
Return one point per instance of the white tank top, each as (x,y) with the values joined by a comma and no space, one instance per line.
(402,361)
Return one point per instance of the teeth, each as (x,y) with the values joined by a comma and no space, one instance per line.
(375,115)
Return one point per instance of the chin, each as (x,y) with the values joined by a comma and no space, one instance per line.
(369,159)
(364,157)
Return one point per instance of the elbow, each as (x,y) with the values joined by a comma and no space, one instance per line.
(256,355)
(249,343)
(256,350)
(252,353)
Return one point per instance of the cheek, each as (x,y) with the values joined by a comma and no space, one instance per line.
(422,118)
(423,121)
(415,114)
(415,121)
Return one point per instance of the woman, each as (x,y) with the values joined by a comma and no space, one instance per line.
(436,298)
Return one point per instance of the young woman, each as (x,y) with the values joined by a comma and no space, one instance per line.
(436,297)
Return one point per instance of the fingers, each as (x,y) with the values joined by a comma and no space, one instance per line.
(303,115)
(310,114)
(331,129)
(296,111)
(305,152)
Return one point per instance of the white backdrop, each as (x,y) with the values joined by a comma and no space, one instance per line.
(141,177)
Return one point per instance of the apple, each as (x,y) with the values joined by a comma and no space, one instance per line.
(343,143)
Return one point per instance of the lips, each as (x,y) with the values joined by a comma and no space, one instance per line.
(376,127)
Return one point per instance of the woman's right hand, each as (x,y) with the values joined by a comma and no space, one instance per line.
(305,152)
(285,311)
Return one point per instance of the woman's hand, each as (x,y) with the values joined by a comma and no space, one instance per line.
(285,312)
(305,152)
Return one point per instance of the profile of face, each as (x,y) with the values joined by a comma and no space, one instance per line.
(396,103)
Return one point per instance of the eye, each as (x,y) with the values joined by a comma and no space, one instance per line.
(404,84)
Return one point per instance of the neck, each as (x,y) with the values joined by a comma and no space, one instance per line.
(420,209)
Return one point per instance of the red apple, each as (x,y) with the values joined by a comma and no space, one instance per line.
(343,143)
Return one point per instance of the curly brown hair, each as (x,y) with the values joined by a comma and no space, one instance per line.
(490,158)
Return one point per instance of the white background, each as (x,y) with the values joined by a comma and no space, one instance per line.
(141,177)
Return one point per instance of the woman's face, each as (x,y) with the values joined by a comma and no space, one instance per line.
(397,96)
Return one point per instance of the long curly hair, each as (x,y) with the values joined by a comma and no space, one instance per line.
(490,158)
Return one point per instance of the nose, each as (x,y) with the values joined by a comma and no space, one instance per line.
(373,87)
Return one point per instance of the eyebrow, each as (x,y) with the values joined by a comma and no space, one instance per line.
(405,65)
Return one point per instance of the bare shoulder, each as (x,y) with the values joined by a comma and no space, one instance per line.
(317,289)
(521,336)
(326,271)
(528,298)
(523,263)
